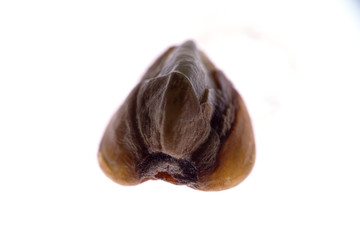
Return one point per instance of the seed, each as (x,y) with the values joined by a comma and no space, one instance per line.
(183,123)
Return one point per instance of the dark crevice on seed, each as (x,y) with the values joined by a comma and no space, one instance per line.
(163,166)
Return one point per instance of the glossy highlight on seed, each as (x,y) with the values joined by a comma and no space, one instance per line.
(183,123)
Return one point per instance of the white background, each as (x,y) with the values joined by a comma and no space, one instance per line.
(66,66)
